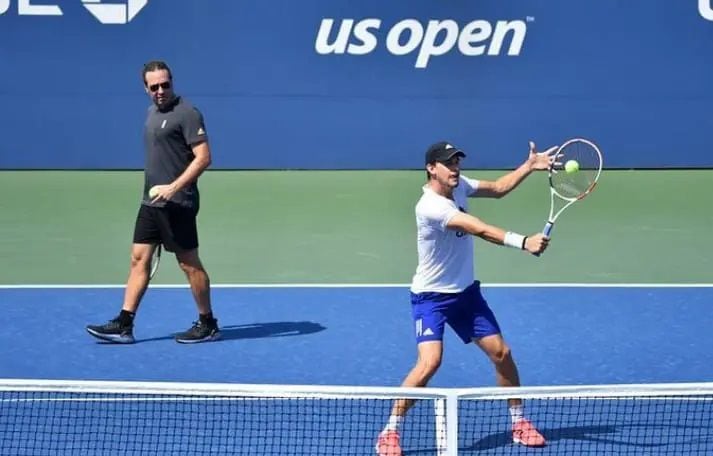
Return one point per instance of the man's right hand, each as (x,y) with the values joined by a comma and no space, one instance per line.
(536,243)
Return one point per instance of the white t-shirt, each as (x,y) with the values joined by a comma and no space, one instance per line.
(445,256)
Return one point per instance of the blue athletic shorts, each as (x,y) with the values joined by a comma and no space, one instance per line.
(466,312)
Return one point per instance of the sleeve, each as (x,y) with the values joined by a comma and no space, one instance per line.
(437,213)
(193,127)
(469,185)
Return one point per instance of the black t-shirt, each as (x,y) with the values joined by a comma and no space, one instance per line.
(169,135)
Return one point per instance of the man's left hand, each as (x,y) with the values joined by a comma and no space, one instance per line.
(541,160)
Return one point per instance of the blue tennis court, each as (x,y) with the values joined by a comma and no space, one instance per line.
(362,336)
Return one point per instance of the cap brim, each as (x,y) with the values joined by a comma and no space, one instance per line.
(453,153)
(457,152)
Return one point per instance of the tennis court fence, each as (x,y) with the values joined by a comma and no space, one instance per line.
(56,417)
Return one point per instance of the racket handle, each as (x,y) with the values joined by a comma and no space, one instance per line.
(546,231)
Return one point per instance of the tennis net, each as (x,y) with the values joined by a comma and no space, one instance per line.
(46,417)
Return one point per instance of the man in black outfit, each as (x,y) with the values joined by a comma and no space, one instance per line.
(177,153)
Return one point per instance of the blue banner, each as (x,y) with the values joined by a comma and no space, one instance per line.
(338,84)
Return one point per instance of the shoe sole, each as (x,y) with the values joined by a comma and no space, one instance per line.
(378,453)
(520,442)
(117,339)
(210,338)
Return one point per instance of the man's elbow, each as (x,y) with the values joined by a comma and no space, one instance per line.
(499,191)
(204,161)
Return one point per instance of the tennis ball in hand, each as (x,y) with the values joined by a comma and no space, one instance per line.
(571,166)
(153,191)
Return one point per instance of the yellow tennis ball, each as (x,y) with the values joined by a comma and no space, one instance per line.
(572,166)
(153,191)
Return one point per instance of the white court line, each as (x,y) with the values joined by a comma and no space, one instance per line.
(364,285)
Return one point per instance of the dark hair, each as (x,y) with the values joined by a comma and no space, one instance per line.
(155,65)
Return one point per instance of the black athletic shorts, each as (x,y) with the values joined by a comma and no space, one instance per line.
(173,226)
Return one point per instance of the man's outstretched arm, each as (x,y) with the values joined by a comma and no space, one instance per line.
(505,184)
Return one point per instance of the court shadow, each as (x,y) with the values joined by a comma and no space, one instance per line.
(609,435)
(643,438)
(271,329)
(504,439)
(254,331)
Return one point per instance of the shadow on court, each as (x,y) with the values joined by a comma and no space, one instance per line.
(253,331)
(273,329)
(582,433)
(629,436)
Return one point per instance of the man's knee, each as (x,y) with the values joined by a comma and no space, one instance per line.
(190,263)
(140,257)
(190,267)
(501,354)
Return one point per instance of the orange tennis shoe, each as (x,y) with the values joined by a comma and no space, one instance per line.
(388,444)
(524,433)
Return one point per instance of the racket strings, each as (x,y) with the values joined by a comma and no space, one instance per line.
(155,260)
(575,184)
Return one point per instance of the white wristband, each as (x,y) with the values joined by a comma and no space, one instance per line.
(514,240)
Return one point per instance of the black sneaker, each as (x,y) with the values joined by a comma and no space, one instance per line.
(200,332)
(113,331)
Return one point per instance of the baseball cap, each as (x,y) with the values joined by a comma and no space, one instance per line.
(442,151)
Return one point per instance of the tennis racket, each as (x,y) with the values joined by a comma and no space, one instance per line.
(155,260)
(568,187)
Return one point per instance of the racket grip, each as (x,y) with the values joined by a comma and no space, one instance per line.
(546,231)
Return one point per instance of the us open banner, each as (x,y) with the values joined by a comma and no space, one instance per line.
(338,84)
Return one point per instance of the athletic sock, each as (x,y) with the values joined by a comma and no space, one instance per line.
(126,318)
(394,423)
(516,413)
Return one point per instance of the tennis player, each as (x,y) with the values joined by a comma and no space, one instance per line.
(177,153)
(443,290)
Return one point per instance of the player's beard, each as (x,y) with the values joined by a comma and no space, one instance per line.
(165,102)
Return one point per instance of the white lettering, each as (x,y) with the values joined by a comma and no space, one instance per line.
(705,8)
(114,13)
(474,32)
(365,36)
(25,8)
(437,38)
(518,28)
(429,47)
(339,45)
(393,39)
